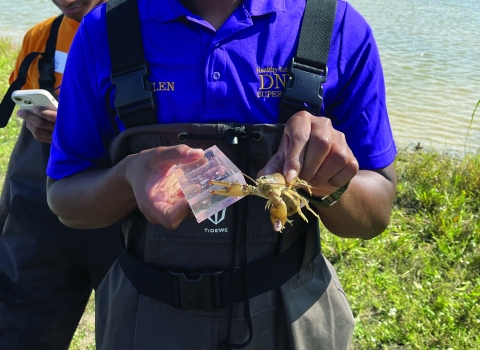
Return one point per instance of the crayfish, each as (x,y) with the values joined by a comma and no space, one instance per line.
(283,199)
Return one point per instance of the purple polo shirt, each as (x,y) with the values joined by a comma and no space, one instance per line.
(235,74)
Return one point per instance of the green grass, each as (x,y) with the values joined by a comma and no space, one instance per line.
(8,135)
(84,338)
(416,286)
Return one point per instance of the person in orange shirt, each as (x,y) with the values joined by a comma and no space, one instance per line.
(47,270)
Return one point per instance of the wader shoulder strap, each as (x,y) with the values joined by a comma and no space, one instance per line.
(46,69)
(308,69)
(46,64)
(134,100)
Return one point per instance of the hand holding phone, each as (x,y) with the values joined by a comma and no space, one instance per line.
(41,121)
(28,99)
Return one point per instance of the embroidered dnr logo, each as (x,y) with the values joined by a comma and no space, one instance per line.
(218,217)
(272,81)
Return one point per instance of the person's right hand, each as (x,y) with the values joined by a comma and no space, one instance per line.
(40,121)
(156,190)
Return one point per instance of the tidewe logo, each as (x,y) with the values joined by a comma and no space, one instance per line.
(272,81)
(216,219)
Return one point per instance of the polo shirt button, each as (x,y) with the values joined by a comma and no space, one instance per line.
(216,75)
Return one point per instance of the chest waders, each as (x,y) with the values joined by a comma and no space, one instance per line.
(47,270)
(231,281)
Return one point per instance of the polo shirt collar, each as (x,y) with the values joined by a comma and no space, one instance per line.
(263,7)
(166,10)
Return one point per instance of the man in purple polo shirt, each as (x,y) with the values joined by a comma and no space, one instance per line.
(215,65)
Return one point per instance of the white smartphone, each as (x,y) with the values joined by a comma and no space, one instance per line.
(27,99)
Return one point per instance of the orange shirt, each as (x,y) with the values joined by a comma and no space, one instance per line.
(35,40)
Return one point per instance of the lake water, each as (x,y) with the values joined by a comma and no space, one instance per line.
(430,50)
(17,16)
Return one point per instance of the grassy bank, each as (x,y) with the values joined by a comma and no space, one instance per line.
(416,286)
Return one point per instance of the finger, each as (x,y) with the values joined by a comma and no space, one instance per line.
(40,134)
(21,113)
(180,154)
(49,115)
(44,113)
(168,215)
(344,175)
(319,146)
(298,130)
(337,169)
(39,110)
(39,122)
(175,214)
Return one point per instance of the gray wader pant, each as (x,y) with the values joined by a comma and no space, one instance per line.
(47,270)
(309,311)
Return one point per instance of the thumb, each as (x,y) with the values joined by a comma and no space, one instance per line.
(274,165)
(180,154)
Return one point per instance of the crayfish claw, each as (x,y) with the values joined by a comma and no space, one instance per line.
(230,189)
(277,226)
(282,198)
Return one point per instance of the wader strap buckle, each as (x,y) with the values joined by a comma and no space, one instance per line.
(134,102)
(304,90)
(200,292)
(130,100)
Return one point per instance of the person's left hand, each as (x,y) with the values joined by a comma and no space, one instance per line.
(40,121)
(315,152)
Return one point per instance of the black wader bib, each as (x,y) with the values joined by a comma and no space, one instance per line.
(309,311)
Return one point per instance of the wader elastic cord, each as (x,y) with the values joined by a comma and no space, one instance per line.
(7,105)
(231,287)
(225,344)
(243,229)
(245,255)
